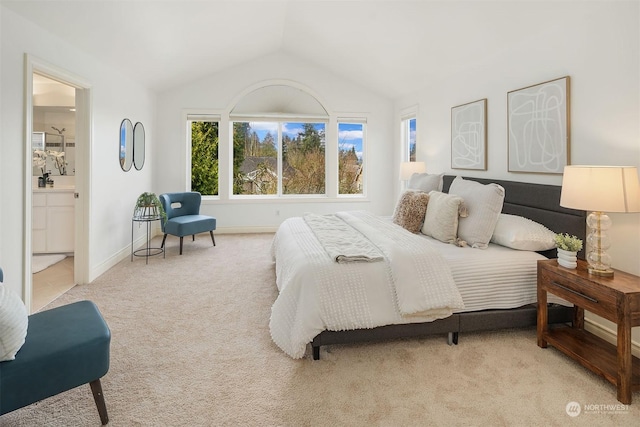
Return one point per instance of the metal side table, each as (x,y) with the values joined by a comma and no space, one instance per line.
(148,250)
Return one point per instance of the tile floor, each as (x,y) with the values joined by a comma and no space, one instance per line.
(52,282)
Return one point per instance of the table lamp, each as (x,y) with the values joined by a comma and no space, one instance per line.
(600,189)
(409,168)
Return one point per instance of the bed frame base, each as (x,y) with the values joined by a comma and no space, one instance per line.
(485,320)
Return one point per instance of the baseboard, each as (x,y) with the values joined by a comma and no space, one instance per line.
(608,335)
(246,230)
(114,259)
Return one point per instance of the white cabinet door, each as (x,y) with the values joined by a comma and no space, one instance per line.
(53,222)
(60,229)
(39,229)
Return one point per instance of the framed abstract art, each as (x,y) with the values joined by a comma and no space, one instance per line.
(538,127)
(469,135)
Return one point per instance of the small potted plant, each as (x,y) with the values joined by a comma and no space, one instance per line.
(568,247)
(148,206)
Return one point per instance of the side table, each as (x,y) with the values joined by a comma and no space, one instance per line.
(616,299)
(148,250)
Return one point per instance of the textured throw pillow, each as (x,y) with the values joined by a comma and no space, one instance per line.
(484,204)
(411,209)
(441,219)
(13,324)
(521,233)
(425,182)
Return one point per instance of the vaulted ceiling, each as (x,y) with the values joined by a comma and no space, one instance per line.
(391,47)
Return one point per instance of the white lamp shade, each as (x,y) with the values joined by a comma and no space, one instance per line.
(601,188)
(409,168)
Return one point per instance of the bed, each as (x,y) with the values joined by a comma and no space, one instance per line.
(322,320)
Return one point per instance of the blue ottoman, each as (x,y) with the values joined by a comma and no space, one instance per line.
(65,347)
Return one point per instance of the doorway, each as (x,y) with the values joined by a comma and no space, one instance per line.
(53,186)
(57,117)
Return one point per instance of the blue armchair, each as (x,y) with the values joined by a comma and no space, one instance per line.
(183,216)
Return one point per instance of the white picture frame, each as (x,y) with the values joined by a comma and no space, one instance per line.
(469,135)
(538,127)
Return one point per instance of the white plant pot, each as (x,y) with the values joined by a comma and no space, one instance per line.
(567,259)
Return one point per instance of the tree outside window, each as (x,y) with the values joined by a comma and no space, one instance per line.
(259,169)
(350,158)
(204,157)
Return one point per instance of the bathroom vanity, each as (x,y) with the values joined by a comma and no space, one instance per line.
(53,220)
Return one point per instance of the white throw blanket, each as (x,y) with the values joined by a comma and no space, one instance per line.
(412,284)
(342,242)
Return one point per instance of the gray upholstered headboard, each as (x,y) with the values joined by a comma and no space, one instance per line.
(540,203)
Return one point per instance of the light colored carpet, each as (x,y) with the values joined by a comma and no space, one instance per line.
(191,347)
(40,262)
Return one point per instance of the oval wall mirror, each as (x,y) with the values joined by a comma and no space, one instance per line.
(138,146)
(126,145)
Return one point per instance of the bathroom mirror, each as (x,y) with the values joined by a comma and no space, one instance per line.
(54,134)
(138,146)
(126,145)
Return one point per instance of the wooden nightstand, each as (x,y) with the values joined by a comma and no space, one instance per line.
(614,298)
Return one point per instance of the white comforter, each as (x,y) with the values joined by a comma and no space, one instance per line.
(412,284)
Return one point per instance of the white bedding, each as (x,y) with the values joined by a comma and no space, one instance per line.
(362,295)
(317,293)
(493,278)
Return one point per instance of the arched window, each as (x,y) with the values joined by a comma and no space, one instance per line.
(283,143)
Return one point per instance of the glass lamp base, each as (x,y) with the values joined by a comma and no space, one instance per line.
(597,272)
(599,261)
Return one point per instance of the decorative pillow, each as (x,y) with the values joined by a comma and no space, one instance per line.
(484,204)
(441,219)
(521,233)
(425,182)
(411,209)
(13,324)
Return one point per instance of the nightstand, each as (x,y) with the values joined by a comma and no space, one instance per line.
(614,298)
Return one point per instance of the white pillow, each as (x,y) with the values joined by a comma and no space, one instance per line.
(441,219)
(425,182)
(13,324)
(484,204)
(521,233)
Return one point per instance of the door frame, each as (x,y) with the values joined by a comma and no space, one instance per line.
(83,169)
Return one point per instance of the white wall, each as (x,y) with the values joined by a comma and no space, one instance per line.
(113,192)
(598,46)
(220,92)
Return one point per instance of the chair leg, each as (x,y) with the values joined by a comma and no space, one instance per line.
(212,238)
(163,239)
(193,237)
(96,389)
(181,237)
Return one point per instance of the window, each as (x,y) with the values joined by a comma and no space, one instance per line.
(204,155)
(350,157)
(275,145)
(278,157)
(409,139)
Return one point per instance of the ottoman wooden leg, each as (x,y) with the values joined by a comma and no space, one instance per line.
(96,388)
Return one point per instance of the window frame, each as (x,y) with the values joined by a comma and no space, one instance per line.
(406,137)
(352,119)
(201,116)
(227,116)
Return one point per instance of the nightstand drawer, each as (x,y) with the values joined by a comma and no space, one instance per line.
(589,296)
